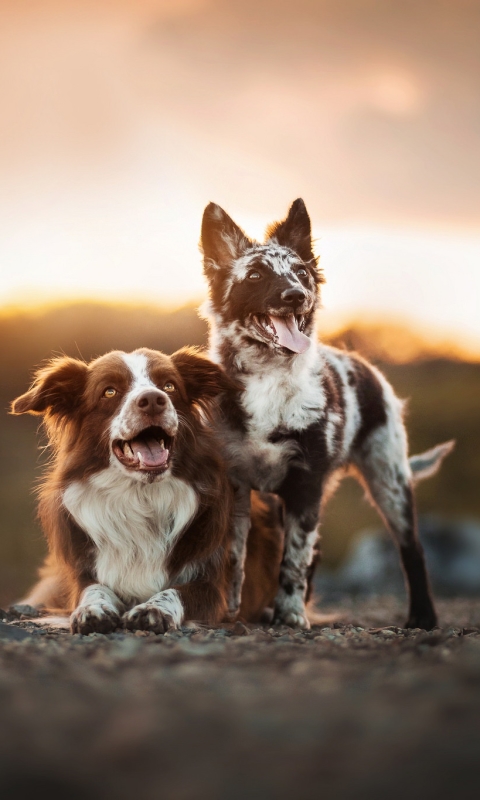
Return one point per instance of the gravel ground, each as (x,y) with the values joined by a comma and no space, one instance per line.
(350,710)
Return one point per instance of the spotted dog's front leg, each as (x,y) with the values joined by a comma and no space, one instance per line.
(238,551)
(161,613)
(301,535)
(98,611)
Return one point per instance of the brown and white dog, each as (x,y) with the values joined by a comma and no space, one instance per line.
(136,507)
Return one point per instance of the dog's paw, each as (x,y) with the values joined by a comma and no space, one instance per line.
(148,617)
(290,610)
(98,618)
(424,621)
(291,618)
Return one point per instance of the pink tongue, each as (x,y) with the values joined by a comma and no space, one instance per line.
(288,334)
(152,455)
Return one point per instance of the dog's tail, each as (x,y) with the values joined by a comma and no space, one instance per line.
(427,464)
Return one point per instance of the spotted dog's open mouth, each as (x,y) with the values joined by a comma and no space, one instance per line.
(148,451)
(285,331)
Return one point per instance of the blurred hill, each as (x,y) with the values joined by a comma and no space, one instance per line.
(443,394)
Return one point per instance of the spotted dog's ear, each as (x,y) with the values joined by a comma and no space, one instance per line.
(56,389)
(204,380)
(222,241)
(295,231)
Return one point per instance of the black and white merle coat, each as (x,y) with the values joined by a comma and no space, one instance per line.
(308,412)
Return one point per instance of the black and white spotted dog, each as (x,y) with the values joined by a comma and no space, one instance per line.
(308,412)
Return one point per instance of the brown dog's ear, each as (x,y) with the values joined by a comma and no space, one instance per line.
(203,379)
(57,388)
(222,241)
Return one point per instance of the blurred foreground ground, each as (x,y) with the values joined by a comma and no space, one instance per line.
(352,710)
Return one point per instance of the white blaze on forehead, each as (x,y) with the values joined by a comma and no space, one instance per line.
(127,416)
(137,363)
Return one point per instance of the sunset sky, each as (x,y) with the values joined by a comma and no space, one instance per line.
(122,119)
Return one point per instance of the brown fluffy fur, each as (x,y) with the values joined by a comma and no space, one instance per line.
(68,394)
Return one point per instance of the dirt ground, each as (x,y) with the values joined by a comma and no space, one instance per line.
(350,710)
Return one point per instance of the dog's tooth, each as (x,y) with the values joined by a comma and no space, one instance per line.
(162,444)
(127,450)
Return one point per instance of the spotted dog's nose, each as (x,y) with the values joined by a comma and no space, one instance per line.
(293,296)
(152,402)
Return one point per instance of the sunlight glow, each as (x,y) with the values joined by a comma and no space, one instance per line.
(427,278)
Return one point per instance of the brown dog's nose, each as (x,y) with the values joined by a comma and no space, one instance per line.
(152,402)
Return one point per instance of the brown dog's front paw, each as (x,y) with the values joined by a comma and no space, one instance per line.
(148,617)
(94,619)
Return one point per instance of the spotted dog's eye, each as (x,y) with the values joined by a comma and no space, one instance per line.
(169,387)
(254,275)
(110,392)
(301,273)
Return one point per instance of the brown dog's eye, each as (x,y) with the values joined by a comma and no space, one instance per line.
(254,275)
(110,392)
(169,387)
(301,273)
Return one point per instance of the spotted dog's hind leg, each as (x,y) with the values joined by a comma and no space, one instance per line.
(385,472)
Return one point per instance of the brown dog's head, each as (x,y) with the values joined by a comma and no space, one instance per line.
(125,410)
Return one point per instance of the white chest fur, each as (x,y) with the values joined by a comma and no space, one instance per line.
(134,526)
(285,395)
(278,395)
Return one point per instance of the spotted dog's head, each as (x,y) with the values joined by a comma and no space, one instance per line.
(134,412)
(265,293)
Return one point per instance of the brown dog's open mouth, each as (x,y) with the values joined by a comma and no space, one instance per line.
(284,331)
(148,451)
